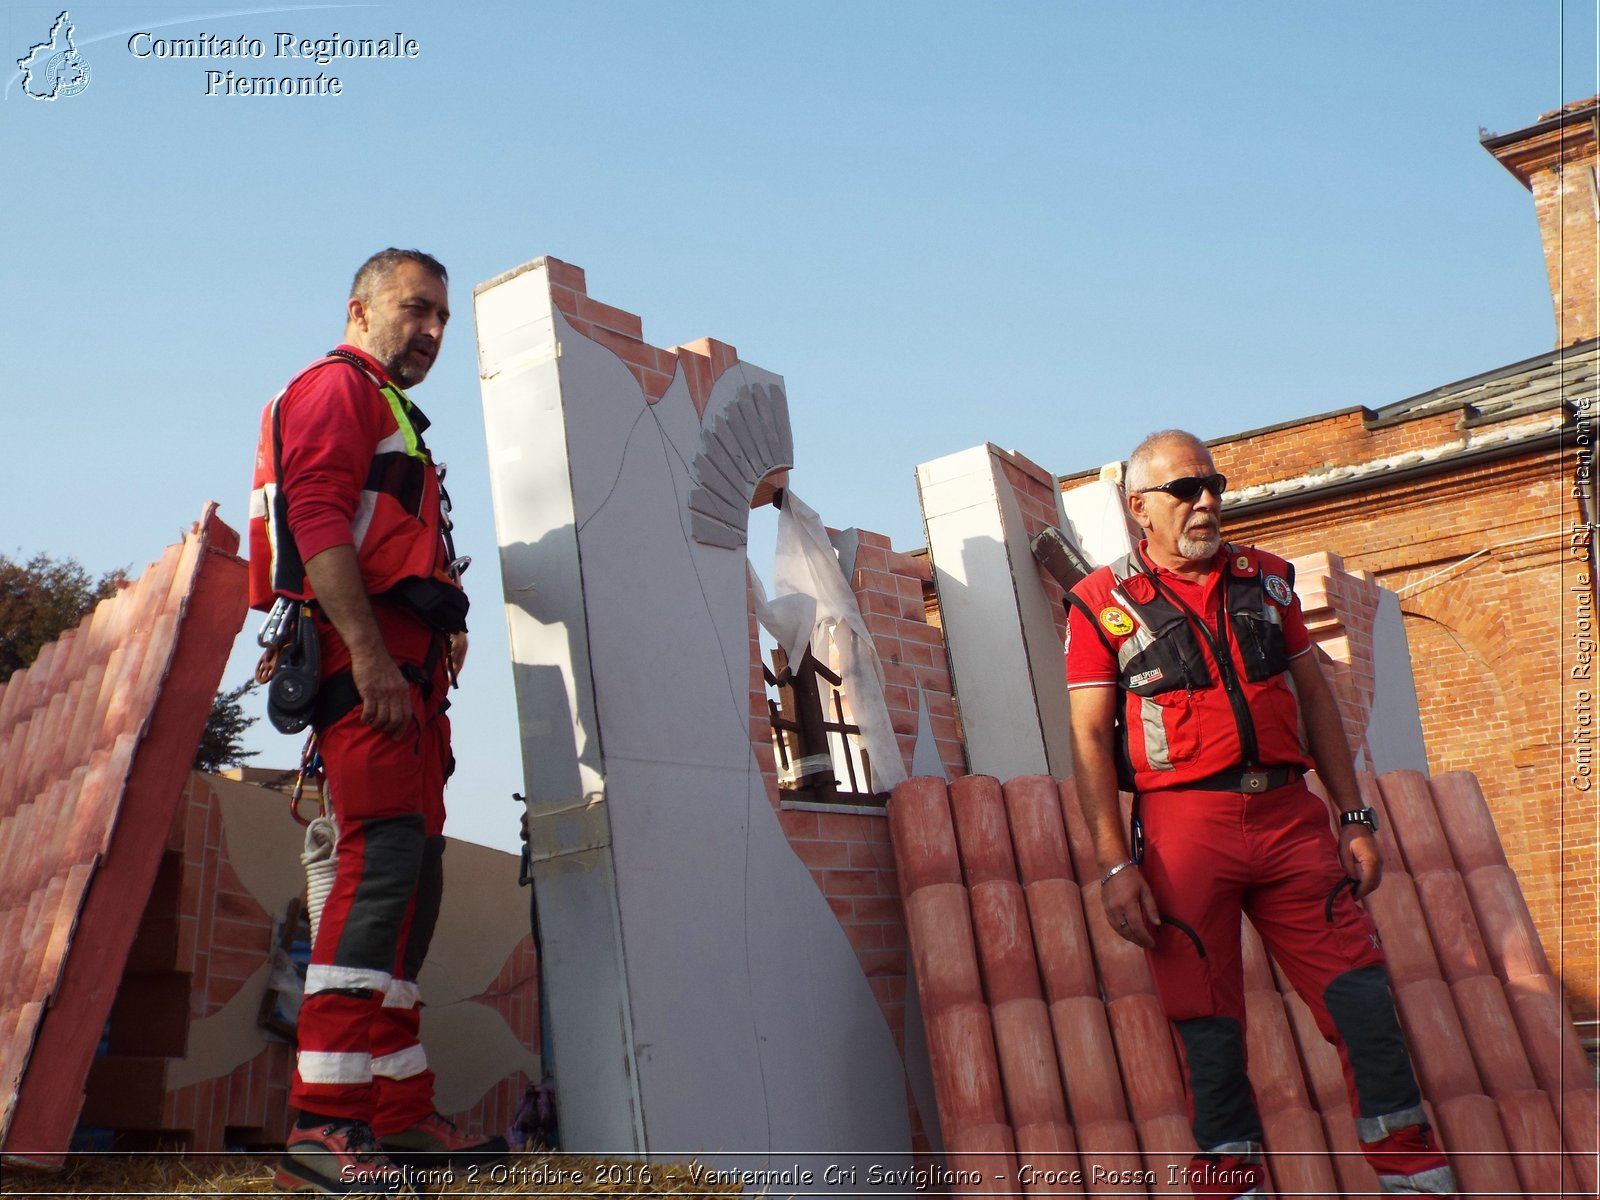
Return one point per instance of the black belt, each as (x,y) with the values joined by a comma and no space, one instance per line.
(1240,779)
(337,694)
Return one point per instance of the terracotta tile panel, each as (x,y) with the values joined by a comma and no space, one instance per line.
(1452,925)
(1484,1017)
(1027,1063)
(1049,1154)
(1299,1163)
(1474,1122)
(1167,1142)
(1554,1053)
(1110,1154)
(1534,1137)
(1276,1065)
(96,755)
(1468,826)
(106,799)
(1415,820)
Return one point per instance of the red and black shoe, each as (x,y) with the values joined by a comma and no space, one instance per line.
(436,1141)
(335,1158)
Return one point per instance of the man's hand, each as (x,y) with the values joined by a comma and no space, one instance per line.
(385,694)
(1130,907)
(335,576)
(458,652)
(1361,858)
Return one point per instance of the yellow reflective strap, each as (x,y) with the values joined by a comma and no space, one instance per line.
(400,406)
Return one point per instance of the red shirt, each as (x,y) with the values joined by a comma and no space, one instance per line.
(332,420)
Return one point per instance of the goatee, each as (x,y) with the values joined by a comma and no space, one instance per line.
(1201,544)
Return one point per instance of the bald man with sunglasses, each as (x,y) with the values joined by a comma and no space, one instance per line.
(1195,687)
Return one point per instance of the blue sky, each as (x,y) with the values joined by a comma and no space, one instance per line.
(1053,226)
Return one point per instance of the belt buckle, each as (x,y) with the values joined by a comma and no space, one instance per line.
(1255,781)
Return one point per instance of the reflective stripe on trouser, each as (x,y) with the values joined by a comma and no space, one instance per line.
(375,928)
(400,1077)
(1209,856)
(1406,1156)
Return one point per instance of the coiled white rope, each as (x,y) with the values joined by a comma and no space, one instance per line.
(321,860)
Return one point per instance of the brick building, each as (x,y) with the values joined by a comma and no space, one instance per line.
(1474,502)
(1554,158)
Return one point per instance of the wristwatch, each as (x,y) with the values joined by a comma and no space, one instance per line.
(1359,816)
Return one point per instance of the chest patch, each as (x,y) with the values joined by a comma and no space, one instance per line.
(1278,588)
(1116,622)
(1144,677)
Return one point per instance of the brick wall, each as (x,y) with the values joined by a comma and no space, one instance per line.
(892,590)
(848,852)
(1564,199)
(622,333)
(1482,556)
(1340,609)
(1035,492)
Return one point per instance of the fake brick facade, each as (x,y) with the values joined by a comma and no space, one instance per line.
(892,590)
(1035,490)
(204,938)
(848,851)
(1340,609)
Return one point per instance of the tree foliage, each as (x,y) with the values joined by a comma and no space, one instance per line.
(40,600)
(221,745)
(44,597)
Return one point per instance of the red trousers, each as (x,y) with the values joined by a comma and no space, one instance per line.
(360,1056)
(1211,857)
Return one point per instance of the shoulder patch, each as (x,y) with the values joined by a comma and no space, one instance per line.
(1278,588)
(1115,621)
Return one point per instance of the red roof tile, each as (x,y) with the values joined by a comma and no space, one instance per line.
(1494,1044)
(96,738)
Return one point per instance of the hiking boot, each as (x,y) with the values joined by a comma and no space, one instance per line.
(435,1141)
(335,1158)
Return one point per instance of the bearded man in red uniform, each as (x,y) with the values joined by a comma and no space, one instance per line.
(347,513)
(1195,687)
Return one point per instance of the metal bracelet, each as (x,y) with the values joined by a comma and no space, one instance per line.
(1116,870)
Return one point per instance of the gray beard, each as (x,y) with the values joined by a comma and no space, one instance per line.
(1195,548)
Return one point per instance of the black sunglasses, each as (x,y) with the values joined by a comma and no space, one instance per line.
(1188,488)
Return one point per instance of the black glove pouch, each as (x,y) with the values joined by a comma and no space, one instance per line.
(440,605)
